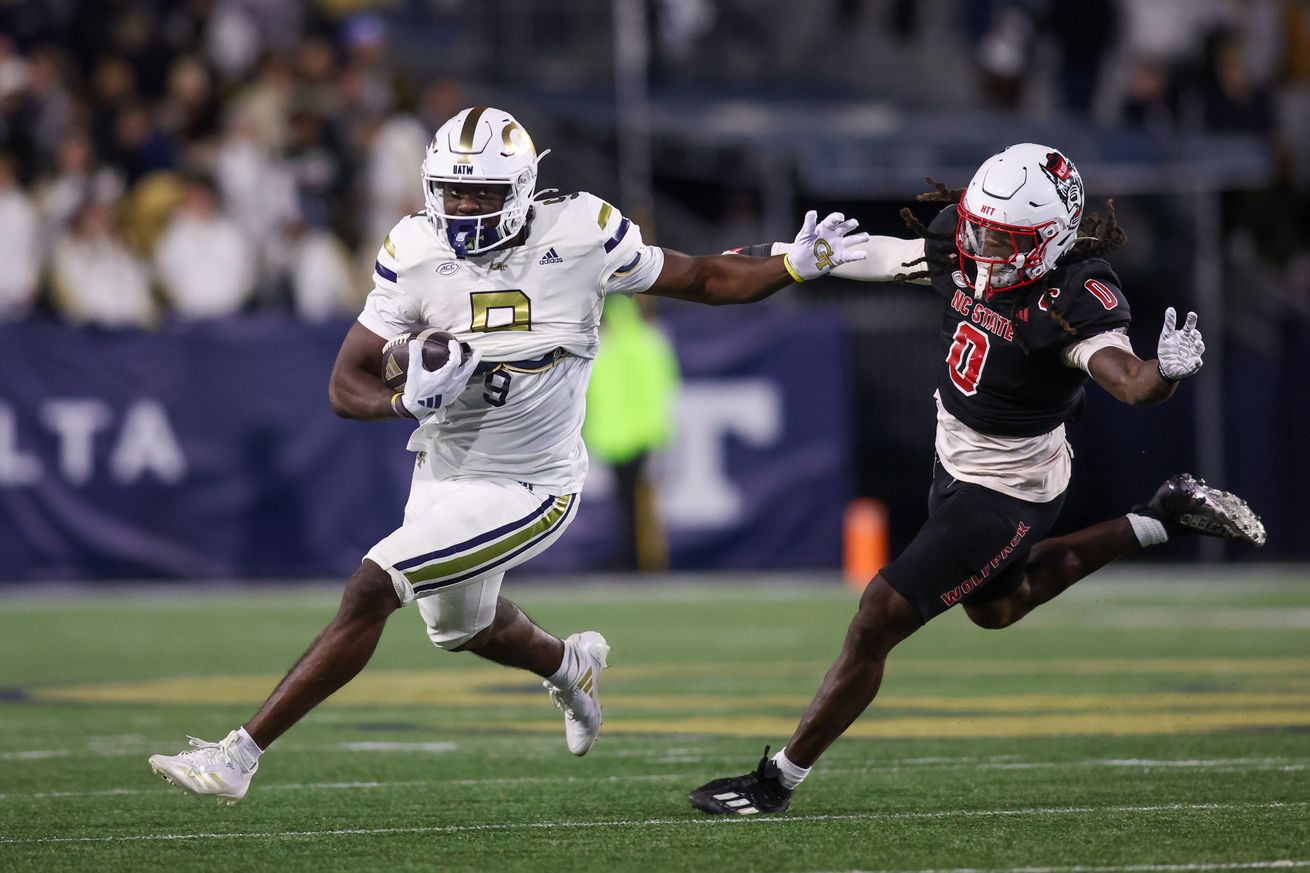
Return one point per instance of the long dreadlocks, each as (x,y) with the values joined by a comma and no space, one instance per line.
(1098,238)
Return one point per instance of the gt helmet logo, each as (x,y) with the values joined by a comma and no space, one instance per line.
(480,145)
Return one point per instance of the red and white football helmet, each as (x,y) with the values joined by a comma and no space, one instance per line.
(1018,216)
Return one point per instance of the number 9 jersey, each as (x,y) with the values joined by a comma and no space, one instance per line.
(533,310)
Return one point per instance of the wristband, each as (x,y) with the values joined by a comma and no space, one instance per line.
(398,405)
(786,262)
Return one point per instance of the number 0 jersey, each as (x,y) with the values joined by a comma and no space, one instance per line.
(1014,367)
(533,310)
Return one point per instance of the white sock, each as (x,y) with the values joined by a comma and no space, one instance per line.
(789,774)
(248,751)
(1149,531)
(569,667)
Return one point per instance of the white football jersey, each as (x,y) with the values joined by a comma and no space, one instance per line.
(533,310)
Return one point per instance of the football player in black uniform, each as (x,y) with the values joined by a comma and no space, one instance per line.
(1029,311)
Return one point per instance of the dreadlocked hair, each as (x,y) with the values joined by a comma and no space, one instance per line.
(941,193)
(1098,237)
(1049,305)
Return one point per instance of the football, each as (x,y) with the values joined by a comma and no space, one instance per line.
(436,352)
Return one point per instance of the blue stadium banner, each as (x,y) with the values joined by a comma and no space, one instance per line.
(208,450)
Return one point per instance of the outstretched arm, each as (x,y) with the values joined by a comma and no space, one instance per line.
(720,279)
(1145,383)
(885,258)
(723,279)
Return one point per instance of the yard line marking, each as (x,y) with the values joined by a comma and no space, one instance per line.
(382,746)
(1000,762)
(663,822)
(1281,864)
(346,786)
(275,787)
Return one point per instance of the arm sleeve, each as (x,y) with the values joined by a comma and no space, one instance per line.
(1078,355)
(387,311)
(888,256)
(631,266)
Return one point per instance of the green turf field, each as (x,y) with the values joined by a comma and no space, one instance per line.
(1139,723)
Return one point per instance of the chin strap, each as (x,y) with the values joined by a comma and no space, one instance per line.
(982,280)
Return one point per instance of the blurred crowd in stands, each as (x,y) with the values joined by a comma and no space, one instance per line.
(203,157)
(200,158)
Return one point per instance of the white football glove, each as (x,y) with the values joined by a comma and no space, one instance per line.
(1179,350)
(818,249)
(428,391)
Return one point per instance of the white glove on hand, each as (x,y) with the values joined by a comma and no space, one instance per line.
(428,391)
(1179,351)
(818,249)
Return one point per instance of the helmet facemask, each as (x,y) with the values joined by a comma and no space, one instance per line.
(1004,256)
(483,232)
(486,147)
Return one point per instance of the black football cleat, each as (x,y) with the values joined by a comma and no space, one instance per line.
(1186,505)
(760,791)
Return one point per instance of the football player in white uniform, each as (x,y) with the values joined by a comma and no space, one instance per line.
(500,460)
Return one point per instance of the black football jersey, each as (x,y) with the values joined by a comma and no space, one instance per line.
(1002,372)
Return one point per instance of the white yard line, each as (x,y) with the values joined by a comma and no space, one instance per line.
(1208,765)
(1281,864)
(669,822)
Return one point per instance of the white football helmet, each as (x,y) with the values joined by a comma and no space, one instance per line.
(481,144)
(1018,216)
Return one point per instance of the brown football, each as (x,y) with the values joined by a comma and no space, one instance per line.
(395,354)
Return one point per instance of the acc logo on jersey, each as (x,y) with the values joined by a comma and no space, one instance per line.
(448,268)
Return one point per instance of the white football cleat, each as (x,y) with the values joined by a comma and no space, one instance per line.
(580,702)
(209,770)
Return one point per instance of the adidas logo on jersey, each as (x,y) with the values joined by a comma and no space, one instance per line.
(551,257)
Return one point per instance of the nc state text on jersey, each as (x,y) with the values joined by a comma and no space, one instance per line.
(988,319)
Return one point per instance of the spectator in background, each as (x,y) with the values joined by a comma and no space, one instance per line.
(139,146)
(316,67)
(1085,31)
(190,109)
(395,146)
(634,383)
(318,165)
(16,128)
(74,178)
(95,278)
(258,189)
(1150,99)
(318,272)
(1294,97)
(19,249)
(1002,49)
(51,104)
(266,105)
(1231,101)
(113,88)
(206,266)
